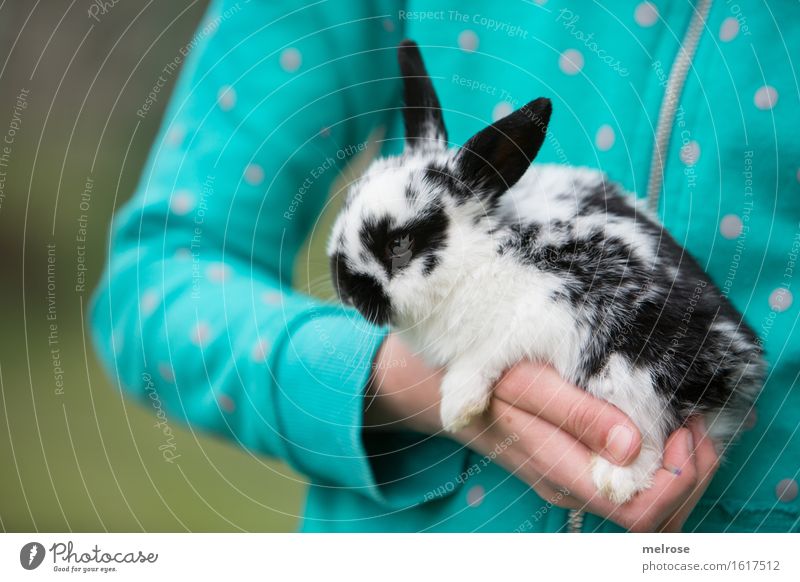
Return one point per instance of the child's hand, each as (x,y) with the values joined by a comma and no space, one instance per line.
(557,426)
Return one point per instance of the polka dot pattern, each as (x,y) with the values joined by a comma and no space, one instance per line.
(175,135)
(166,372)
(604,138)
(182,202)
(226,403)
(149,302)
(766,97)
(218,272)
(729,29)
(645,14)
(786,490)
(475,495)
(388,25)
(751,420)
(200,334)
(468,41)
(254,174)
(690,153)
(226,98)
(780,299)
(271,298)
(731,226)
(260,351)
(570,62)
(290,60)
(501,110)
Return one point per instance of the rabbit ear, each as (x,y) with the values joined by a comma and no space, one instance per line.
(495,158)
(421,112)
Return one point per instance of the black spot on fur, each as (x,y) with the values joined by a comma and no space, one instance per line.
(361,291)
(662,315)
(428,233)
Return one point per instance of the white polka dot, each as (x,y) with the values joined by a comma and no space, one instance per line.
(200,334)
(291,59)
(183,254)
(226,403)
(388,25)
(166,372)
(253,174)
(750,420)
(325,131)
(175,135)
(218,272)
(226,98)
(570,62)
(780,299)
(798,175)
(646,14)
(149,302)
(730,226)
(604,138)
(271,298)
(475,495)
(501,110)
(468,41)
(787,490)
(729,29)
(766,97)
(540,2)
(260,350)
(690,153)
(182,202)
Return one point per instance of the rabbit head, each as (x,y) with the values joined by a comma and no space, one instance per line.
(413,224)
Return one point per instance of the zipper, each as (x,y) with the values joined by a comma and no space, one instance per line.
(669,105)
(575,521)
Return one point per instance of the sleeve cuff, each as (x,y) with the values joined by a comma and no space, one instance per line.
(321,372)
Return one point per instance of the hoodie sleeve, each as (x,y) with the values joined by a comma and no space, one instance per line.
(196,301)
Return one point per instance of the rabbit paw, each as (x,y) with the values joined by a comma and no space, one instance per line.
(462,400)
(619,484)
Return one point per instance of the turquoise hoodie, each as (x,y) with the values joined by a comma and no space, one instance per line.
(274,99)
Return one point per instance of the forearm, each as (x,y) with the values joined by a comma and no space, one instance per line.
(403,392)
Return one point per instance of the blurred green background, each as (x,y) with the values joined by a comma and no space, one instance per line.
(87,459)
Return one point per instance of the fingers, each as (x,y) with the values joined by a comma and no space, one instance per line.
(707,463)
(672,485)
(599,425)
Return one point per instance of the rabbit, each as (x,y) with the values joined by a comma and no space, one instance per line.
(479,259)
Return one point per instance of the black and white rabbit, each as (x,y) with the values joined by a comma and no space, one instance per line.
(479,260)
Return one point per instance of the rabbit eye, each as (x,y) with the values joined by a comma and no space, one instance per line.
(400,248)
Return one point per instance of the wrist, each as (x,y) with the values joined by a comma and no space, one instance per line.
(403,391)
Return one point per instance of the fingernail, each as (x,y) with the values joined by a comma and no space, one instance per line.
(620,438)
(689,441)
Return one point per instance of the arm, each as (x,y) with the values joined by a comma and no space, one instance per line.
(197,289)
(555,428)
